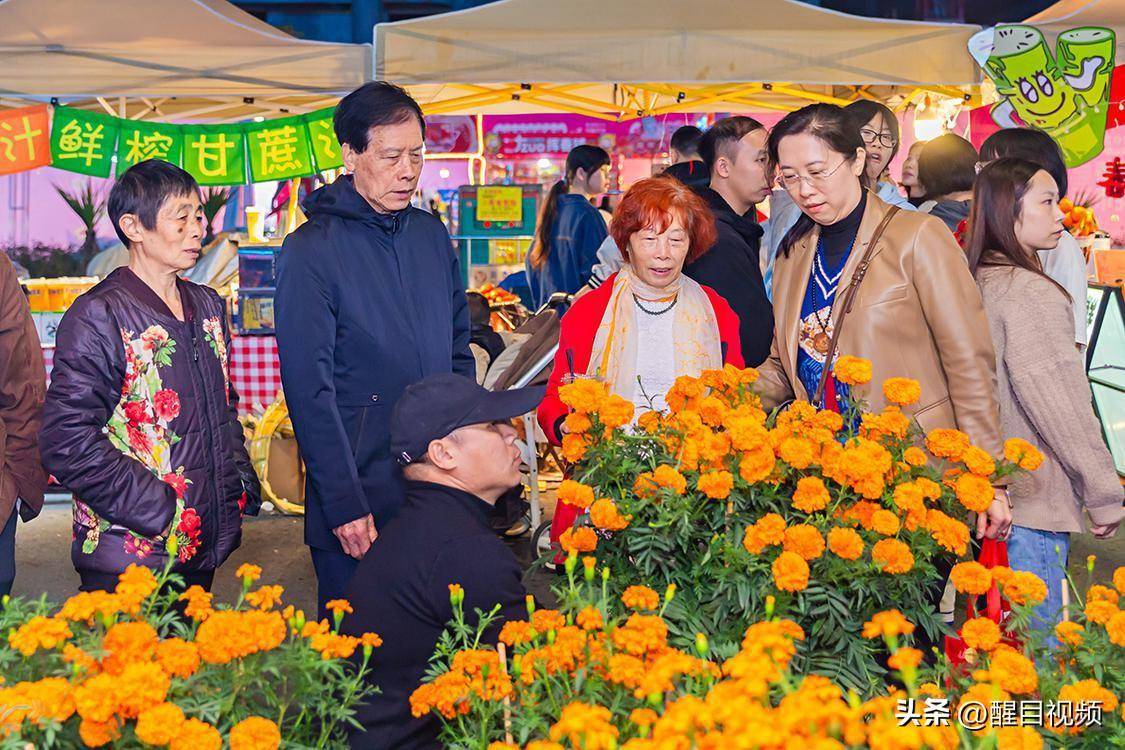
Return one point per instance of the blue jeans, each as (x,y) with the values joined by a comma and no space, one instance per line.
(1043,553)
(8,555)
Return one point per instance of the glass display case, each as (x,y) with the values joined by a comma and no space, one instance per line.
(1105,365)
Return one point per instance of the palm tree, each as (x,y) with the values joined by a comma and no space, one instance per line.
(214,199)
(89,202)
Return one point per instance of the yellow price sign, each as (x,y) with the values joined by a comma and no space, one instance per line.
(499,203)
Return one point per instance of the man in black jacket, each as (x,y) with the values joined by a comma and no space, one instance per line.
(458,449)
(734,148)
(369,299)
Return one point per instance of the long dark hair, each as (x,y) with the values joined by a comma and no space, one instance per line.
(997,195)
(947,164)
(587,158)
(838,131)
(1031,144)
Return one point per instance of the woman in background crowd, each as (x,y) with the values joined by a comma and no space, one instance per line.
(947,167)
(915,190)
(1044,394)
(880,132)
(1066,264)
(570,230)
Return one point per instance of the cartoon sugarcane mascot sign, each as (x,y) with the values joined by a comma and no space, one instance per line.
(1065,95)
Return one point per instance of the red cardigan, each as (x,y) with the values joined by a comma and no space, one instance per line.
(576,336)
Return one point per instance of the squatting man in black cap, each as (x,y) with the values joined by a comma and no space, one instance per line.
(458,451)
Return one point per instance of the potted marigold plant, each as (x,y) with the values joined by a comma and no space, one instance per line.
(836,516)
(127,670)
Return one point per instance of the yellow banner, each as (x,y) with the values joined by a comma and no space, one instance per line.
(499,203)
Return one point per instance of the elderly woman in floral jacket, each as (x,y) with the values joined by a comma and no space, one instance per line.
(140,421)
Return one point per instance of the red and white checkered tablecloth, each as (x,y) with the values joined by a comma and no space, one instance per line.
(254,369)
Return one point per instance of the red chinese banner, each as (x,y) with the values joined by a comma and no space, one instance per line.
(25,139)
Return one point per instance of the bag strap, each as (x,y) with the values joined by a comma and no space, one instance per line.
(848,299)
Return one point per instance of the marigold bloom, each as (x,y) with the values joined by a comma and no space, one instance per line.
(978,461)
(797,452)
(543,620)
(371,640)
(128,642)
(887,624)
(904,659)
(1115,627)
(579,539)
(98,733)
(845,543)
(1098,593)
(516,632)
(339,606)
(605,516)
(134,586)
(583,394)
(767,531)
(177,657)
(852,370)
(96,698)
(196,735)
(577,422)
(39,633)
(248,571)
(159,724)
(716,485)
(575,493)
(574,447)
(640,597)
(255,733)
(949,533)
(266,597)
(198,603)
(1012,671)
(790,572)
(585,726)
(902,391)
(981,633)
(1018,738)
(756,463)
(228,635)
(1070,633)
(1022,454)
(641,635)
(1119,579)
(892,556)
(615,411)
(1086,691)
(811,495)
(1024,588)
(971,578)
(85,605)
(885,522)
(139,687)
(914,456)
(974,492)
(805,540)
(946,443)
(643,717)
(590,618)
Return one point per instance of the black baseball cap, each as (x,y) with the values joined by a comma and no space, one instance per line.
(439,404)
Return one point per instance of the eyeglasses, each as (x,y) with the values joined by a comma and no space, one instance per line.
(870,136)
(792,181)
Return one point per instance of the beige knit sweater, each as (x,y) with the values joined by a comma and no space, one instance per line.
(1045,399)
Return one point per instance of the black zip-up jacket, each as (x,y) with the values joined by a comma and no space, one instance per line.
(141,424)
(732,269)
(401,591)
(366,304)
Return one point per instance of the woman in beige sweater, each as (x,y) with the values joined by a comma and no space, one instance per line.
(1044,394)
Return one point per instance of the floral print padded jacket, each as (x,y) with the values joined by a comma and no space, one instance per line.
(141,424)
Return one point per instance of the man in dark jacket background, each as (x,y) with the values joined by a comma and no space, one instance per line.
(734,149)
(458,447)
(686,165)
(369,299)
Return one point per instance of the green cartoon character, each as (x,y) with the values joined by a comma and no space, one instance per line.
(1065,95)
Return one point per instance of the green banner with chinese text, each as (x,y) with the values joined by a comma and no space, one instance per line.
(279,149)
(140,141)
(215,154)
(83,141)
(325,147)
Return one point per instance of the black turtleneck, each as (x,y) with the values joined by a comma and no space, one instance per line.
(836,240)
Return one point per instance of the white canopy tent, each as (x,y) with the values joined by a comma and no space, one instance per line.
(1069,14)
(167,59)
(630,58)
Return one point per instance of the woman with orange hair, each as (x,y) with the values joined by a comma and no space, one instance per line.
(647,324)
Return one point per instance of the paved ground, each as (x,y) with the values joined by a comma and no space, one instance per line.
(275,543)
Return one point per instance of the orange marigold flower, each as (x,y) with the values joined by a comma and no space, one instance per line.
(159,724)
(643,717)
(892,556)
(96,698)
(85,605)
(861,512)
(266,597)
(887,624)
(339,606)
(981,633)
(543,620)
(71,654)
(227,635)
(371,640)
(574,447)
(578,422)
(756,464)
(716,485)
(885,522)
(579,539)
(640,597)
(902,391)
(247,570)
(128,642)
(905,659)
(198,603)
(1070,633)
(1012,671)
(516,633)
(177,657)
(852,370)
(605,516)
(914,456)
(1100,593)
(946,443)
(951,534)
(98,733)
(1119,579)
(196,735)
(1024,588)
(39,633)
(585,726)
(615,411)
(712,411)
(576,494)
(805,540)
(767,531)
(845,543)
(974,492)
(797,452)
(978,461)
(790,572)
(641,635)
(255,733)
(666,476)
(134,586)
(971,578)
(583,394)
(1087,691)
(1116,628)
(811,495)
(1099,612)
(1018,738)
(590,618)
(1022,454)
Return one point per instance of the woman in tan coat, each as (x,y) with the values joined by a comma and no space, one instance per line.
(1044,394)
(917,312)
